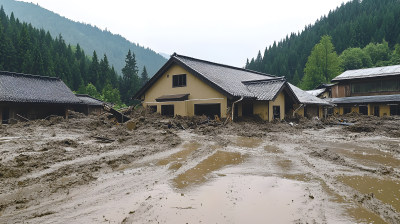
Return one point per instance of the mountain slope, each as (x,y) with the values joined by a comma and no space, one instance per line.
(354,24)
(89,37)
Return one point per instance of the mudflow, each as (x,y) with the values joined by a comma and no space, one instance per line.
(155,169)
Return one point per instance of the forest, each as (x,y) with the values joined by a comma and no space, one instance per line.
(89,37)
(28,50)
(366,29)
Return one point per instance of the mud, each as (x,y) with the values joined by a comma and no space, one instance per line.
(183,170)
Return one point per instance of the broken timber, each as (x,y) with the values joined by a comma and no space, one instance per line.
(120,117)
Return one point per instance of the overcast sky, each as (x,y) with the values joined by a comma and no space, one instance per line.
(224,31)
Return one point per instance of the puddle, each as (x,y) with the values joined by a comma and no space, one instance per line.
(368,156)
(197,174)
(285,164)
(272,149)
(299,177)
(362,215)
(387,191)
(248,142)
(243,199)
(181,155)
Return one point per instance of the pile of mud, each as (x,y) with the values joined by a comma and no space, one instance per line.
(387,125)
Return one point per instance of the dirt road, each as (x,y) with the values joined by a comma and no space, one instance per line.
(159,170)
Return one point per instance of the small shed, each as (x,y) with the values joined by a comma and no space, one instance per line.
(26,97)
(90,105)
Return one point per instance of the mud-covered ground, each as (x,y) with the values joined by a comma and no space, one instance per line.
(155,169)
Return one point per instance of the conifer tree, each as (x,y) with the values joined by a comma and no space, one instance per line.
(144,77)
(130,81)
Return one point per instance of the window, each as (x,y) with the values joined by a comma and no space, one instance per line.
(363,109)
(390,85)
(179,80)
(394,109)
(376,111)
(346,110)
(276,112)
(153,109)
(167,110)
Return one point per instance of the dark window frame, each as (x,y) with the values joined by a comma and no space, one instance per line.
(276,112)
(179,80)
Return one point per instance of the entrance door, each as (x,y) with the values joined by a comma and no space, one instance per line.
(167,110)
(376,111)
(5,115)
(276,112)
(247,108)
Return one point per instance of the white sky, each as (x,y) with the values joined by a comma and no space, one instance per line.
(224,31)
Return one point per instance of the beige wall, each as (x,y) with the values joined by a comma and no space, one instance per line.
(299,111)
(279,101)
(260,108)
(384,110)
(200,93)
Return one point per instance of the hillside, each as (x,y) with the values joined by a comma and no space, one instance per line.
(89,37)
(354,24)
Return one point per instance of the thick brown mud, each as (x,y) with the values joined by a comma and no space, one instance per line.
(193,170)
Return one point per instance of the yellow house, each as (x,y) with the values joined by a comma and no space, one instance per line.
(188,86)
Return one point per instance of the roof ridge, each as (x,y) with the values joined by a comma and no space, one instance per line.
(372,68)
(28,75)
(223,65)
(264,80)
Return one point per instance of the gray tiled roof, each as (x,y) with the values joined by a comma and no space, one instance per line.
(369,73)
(366,99)
(88,100)
(265,90)
(226,77)
(307,98)
(16,87)
(316,92)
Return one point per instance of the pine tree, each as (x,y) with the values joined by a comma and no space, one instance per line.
(94,70)
(130,80)
(144,77)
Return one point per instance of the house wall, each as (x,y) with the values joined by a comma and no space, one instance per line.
(200,93)
(300,111)
(260,108)
(279,101)
(384,109)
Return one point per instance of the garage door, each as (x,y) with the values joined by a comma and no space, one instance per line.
(210,110)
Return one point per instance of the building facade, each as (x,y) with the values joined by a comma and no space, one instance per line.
(187,86)
(371,91)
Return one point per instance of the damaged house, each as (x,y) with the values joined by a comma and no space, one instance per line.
(370,91)
(26,97)
(187,86)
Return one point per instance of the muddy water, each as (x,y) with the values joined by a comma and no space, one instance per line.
(386,190)
(367,156)
(364,216)
(248,142)
(198,174)
(241,199)
(181,155)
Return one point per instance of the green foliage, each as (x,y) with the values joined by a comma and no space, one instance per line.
(379,53)
(355,58)
(129,84)
(144,77)
(354,24)
(33,51)
(323,64)
(89,37)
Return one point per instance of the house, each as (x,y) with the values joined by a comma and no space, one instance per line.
(370,91)
(310,105)
(90,105)
(25,97)
(322,91)
(188,86)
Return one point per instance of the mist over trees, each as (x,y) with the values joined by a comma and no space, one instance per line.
(28,50)
(370,24)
